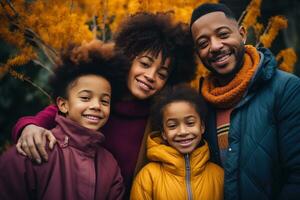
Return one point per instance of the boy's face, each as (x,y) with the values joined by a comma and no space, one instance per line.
(88,101)
(182,127)
(147,75)
(219,42)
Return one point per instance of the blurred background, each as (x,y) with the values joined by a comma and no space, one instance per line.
(32,32)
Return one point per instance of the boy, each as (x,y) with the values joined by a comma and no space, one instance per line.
(78,167)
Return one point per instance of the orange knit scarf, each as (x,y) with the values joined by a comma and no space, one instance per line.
(229,95)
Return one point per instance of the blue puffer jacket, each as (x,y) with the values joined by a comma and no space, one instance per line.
(263,159)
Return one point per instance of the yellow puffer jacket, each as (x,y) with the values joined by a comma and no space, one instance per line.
(173,176)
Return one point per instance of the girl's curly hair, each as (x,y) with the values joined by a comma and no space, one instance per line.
(176,93)
(155,33)
(98,59)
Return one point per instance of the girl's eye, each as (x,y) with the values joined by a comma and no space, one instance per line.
(171,125)
(190,123)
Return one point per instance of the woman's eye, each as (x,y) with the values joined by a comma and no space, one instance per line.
(144,64)
(163,75)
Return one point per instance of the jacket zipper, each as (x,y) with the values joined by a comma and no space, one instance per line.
(188,176)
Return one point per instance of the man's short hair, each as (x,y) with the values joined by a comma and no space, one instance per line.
(211,7)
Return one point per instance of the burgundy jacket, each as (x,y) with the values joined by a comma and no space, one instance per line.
(123,132)
(78,168)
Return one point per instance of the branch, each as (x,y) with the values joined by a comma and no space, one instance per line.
(27,79)
(242,17)
(265,32)
(42,65)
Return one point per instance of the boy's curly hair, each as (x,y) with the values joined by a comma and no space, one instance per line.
(155,33)
(177,93)
(86,60)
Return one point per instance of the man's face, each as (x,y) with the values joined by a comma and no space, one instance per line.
(219,42)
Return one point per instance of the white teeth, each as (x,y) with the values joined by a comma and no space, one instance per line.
(92,117)
(185,141)
(220,59)
(144,86)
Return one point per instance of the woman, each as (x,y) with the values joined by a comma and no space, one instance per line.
(161,54)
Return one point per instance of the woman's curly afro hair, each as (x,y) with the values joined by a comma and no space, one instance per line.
(155,33)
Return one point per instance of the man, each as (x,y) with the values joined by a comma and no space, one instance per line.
(254,124)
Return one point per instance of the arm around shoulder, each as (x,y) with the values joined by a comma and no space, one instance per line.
(44,118)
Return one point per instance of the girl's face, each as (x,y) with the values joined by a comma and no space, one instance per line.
(182,127)
(147,75)
(88,101)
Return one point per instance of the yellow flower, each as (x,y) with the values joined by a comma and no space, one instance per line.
(288,59)
(275,24)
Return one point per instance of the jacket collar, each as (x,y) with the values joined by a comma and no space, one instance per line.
(172,160)
(70,133)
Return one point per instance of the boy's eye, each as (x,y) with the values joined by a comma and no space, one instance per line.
(105,102)
(84,98)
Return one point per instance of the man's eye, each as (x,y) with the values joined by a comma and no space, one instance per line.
(224,35)
(202,45)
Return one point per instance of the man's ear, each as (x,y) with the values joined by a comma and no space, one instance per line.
(243,33)
(62,105)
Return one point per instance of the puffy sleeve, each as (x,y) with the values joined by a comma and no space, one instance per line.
(142,185)
(288,122)
(15,181)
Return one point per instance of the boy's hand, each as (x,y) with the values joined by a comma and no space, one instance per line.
(32,142)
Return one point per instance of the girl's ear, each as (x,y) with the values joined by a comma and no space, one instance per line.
(62,105)
(163,134)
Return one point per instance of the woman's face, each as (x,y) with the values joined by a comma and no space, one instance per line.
(147,75)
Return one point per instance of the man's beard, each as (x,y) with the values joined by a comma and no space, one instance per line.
(235,70)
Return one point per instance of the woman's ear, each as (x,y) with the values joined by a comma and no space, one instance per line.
(202,128)
(62,105)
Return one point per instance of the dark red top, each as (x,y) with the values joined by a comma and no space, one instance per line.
(123,132)
(78,168)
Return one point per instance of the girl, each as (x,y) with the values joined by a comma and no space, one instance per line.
(161,53)
(179,165)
